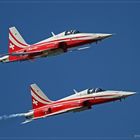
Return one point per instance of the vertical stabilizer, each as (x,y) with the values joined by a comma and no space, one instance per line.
(16,41)
(39,99)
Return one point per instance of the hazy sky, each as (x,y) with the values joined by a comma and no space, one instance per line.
(111,64)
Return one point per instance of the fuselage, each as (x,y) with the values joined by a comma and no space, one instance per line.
(78,102)
(54,45)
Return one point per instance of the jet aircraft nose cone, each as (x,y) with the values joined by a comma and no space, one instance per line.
(126,94)
(131,93)
(102,36)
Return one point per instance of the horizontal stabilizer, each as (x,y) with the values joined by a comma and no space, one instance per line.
(26,121)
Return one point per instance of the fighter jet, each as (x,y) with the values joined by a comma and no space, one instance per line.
(19,50)
(43,107)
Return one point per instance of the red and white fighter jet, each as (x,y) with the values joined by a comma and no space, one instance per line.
(83,100)
(19,50)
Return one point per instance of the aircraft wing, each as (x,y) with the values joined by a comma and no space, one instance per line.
(1,55)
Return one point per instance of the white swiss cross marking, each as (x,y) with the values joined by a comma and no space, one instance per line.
(35,102)
(11,46)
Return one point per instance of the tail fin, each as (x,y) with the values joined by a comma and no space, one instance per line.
(39,99)
(16,42)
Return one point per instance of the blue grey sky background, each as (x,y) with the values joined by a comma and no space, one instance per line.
(111,64)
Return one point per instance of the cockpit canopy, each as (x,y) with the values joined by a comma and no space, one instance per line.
(94,90)
(71,32)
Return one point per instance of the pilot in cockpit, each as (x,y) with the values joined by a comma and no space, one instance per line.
(71,32)
(94,90)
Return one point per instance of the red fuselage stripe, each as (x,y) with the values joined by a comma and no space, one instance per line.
(81,98)
(53,41)
(78,99)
